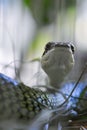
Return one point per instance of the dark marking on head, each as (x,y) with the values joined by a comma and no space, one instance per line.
(51,45)
(72,48)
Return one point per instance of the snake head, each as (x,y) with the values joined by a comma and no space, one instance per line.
(57,61)
(51,45)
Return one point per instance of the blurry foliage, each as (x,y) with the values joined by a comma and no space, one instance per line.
(45,11)
(38,43)
(70,3)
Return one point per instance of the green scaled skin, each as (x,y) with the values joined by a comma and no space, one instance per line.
(21,102)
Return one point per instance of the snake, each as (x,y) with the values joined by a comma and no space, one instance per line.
(27,108)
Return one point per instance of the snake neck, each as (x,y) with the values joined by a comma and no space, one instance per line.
(56,78)
(57,74)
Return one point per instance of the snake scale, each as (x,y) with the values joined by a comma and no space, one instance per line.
(23,107)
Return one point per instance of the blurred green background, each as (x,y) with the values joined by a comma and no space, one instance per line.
(27,25)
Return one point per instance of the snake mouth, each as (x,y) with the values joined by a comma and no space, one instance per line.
(51,45)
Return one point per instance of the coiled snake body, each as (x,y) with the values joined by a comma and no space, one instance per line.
(22,107)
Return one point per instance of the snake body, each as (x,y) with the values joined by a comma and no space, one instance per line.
(24,107)
(21,104)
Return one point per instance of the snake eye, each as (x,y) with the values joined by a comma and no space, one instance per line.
(72,48)
(48,47)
